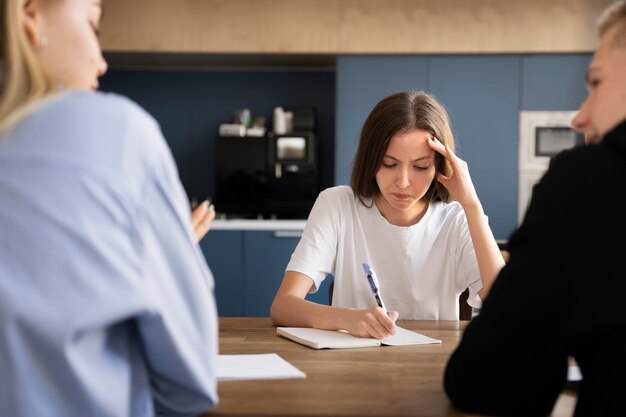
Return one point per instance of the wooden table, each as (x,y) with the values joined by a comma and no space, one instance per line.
(375,381)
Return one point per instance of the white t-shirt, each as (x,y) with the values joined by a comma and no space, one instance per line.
(422,269)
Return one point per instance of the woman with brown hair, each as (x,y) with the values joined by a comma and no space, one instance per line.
(411,213)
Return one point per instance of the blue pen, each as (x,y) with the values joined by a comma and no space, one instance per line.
(371,278)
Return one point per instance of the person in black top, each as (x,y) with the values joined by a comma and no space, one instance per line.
(562,292)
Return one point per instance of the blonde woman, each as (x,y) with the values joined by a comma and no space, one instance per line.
(561,295)
(106,302)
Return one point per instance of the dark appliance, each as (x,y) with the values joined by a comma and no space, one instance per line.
(303,118)
(274,176)
(241,176)
(293,177)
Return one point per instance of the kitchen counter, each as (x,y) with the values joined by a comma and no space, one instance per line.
(251,224)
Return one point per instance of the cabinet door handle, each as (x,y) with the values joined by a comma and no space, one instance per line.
(288,233)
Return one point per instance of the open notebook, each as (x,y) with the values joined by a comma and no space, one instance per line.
(339,339)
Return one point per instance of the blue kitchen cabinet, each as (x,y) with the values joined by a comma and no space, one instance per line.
(248,267)
(223,252)
(266,254)
(491,86)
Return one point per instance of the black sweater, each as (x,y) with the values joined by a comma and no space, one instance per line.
(562,293)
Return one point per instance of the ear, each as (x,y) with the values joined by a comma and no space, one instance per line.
(31,21)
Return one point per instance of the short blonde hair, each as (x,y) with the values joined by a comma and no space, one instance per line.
(614,16)
(23,82)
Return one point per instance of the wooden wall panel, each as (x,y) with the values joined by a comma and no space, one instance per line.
(462,26)
(220,26)
(351,26)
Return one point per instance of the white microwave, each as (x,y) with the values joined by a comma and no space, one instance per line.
(542,134)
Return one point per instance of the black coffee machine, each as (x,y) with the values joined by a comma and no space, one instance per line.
(293,177)
(241,177)
(275,176)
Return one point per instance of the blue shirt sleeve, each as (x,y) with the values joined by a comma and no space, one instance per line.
(106,302)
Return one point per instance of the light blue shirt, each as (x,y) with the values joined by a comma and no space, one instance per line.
(106,301)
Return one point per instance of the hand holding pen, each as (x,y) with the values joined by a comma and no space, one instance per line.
(380,324)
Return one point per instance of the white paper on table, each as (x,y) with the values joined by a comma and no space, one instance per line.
(260,366)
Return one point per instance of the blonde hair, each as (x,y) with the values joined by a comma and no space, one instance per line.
(23,82)
(614,16)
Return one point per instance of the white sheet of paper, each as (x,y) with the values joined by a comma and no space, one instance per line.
(261,366)
(408,337)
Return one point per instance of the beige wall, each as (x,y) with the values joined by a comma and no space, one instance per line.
(351,26)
